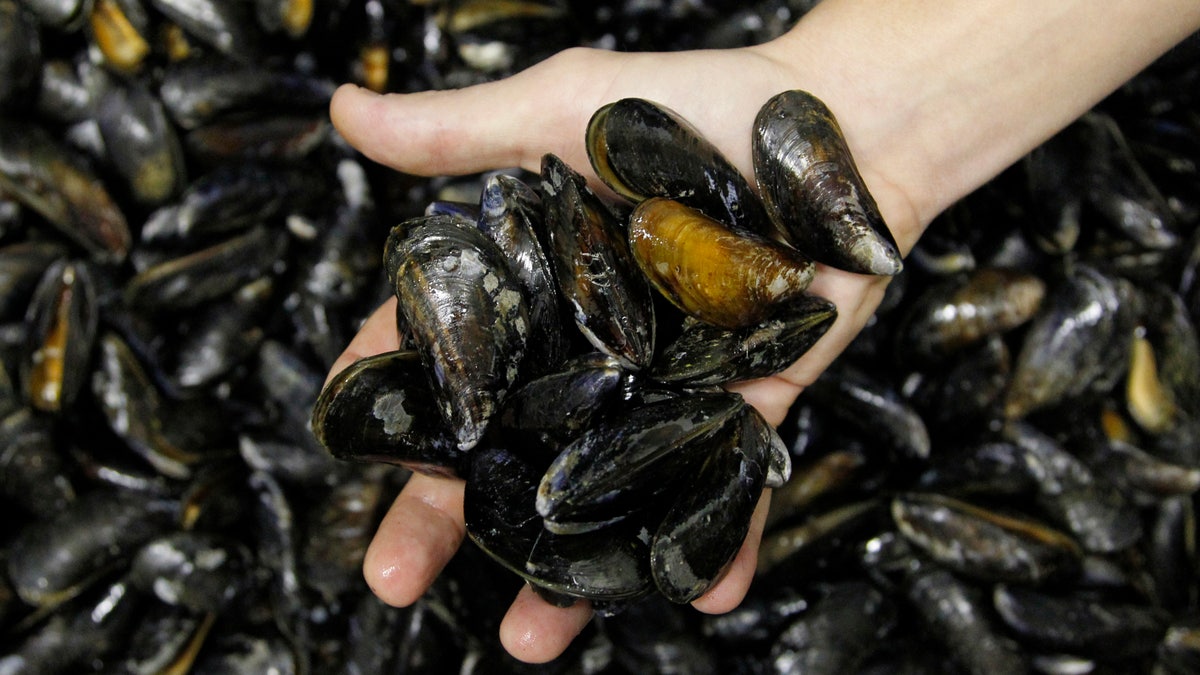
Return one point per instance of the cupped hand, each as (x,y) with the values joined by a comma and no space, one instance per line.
(513,122)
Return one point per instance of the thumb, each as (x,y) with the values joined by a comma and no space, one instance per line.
(506,123)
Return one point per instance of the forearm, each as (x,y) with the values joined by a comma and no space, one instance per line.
(938,97)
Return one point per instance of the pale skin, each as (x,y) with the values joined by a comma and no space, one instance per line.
(934,97)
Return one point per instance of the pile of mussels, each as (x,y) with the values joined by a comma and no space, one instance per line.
(999,475)
(607,472)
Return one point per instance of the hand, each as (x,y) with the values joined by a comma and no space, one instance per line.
(933,102)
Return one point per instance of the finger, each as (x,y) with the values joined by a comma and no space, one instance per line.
(727,593)
(415,540)
(377,335)
(535,631)
(505,123)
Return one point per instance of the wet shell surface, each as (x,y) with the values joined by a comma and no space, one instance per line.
(813,190)
(719,276)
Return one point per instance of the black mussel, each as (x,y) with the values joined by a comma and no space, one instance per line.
(58,184)
(344,260)
(1144,477)
(704,354)
(1170,549)
(291,385)
(52,560)
(1081,625)
(20,55)
(79,635)
(816,479)
(1077,343)
(1071,494)
(990,468)
(970,387)
(200,90)
(656,636)
(871,406)
(984,544)
(231,198)
(381,409)
(959,617)
(641,149)
(606,564)
(294,462)
(120,30)
(759,617)
(838,632)
(614,467)
(225,25)
(68,90)
(548,412)
(62,319)
(1119,189)
(961,312)
(33,472)
(1175,341)
(21,268)
(218,270)
(510,213)
(220,336)
(277,531)
(338,528)
(703,530)
(135,409)
(141,142)
(469,317)
(589,253)
(812,189)
(201,571)
(807,544)
(165,639)
(722,277)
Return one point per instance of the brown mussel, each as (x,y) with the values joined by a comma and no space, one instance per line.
(711,272)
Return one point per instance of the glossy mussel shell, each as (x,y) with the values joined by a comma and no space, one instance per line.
(469,317)
(813,191)
(704,354)
(715,274)
(381,409)
(642,149)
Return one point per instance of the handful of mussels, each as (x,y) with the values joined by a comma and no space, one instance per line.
(599,464)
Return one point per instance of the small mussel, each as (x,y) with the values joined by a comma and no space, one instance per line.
(381,409)
(813,190)
(641,149)
(62,317)
(719,276)
(704,354)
